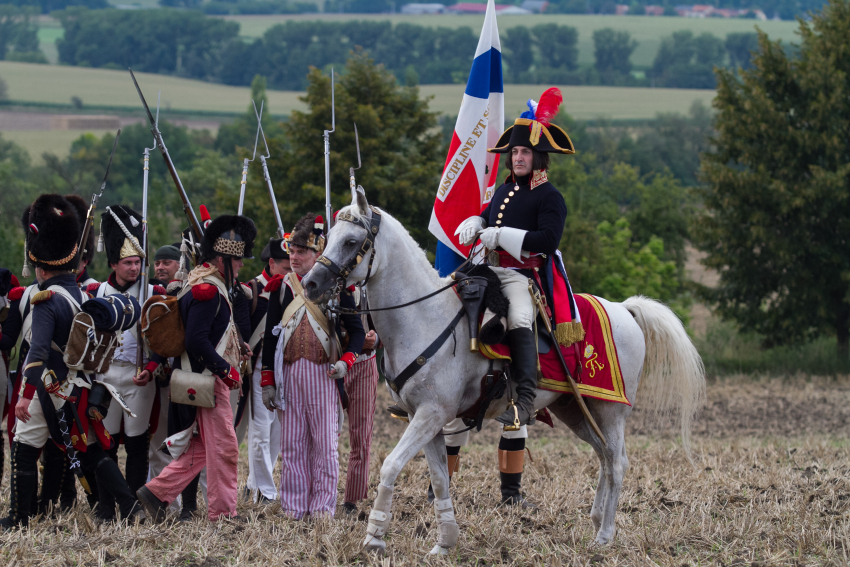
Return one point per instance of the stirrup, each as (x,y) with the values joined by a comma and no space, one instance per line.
(516,425)
(398,413)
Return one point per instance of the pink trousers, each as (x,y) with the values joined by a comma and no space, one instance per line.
(215,448)
(360,385)
(309,427)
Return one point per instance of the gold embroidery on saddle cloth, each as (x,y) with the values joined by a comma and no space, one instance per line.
(304,344)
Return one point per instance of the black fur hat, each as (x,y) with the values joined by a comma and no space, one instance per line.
(229,235)
(309,233)
(115,222)
(277,248)
(52,233)
(82,214)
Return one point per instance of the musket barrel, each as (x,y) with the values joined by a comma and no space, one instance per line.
(328,207)
(268,179)
(143,272)
(242,187)
(187,206)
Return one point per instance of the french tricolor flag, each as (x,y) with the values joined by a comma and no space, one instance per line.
(470,174)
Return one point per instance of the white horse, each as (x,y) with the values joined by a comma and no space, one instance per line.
(651,343)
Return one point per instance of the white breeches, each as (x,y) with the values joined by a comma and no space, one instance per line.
(263,442)
(521,311)
(139,399)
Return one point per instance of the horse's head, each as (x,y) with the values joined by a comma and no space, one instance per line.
(348,250)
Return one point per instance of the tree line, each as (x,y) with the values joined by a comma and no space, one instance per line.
(189,44)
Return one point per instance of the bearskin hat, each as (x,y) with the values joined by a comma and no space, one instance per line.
(122,231)
(534,130)
(82,214)
(229,235)
(277,248)
(52,233)
(309,233)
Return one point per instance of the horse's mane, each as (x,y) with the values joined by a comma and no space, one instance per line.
(412,249)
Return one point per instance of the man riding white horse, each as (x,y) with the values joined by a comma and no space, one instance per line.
(522,228)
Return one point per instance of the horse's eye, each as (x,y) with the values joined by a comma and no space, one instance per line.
(351,242)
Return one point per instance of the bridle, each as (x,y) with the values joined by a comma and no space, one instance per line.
(366,247)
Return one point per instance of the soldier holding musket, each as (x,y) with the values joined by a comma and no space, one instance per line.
(58,404)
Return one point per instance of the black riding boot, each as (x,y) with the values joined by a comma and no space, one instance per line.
(523,376)
(137,460)
(54,480)
(24,483)
(93,497)
(110,481)
(105,500)
(511,463)
(189,497)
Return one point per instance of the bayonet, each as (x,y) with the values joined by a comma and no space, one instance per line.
(94,198)
(351,182)
(263,158)
(187,206)
(247,161)
(327,136)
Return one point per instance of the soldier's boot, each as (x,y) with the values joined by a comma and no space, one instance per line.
(111,482)
(92,497)
(453,463)
(24,482)
(524,378)
(105,500)
(68,490)
(137,460)
(189,498)
(52,477)
(511,464)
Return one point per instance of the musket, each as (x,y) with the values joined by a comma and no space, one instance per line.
(327,136)
(143,273)
(187,206)
(538,301)
(268,178)
(94,198)
(352,183)
(245,166)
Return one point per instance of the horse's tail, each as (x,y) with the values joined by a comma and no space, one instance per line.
(673,373)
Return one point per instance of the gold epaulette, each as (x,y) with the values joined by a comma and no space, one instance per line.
(41,296)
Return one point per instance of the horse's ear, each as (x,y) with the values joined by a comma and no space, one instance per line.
(361,202)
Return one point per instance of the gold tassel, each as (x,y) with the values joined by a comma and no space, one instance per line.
(568,334)
(42,295)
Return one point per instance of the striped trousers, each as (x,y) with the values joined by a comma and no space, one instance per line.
(309,431)
(361,384)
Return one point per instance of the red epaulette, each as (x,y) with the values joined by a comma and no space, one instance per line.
(274,284)
(159,290)
(42,296)
(204,291)
(15,282)
(16,293)
(92,288)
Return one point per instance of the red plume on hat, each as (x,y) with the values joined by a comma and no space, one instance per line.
(205,217)
(550,103)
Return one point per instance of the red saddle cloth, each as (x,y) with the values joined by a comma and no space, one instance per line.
(599,375)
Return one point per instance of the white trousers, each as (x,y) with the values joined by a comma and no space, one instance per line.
(515,289)
(159,459)
(35,432)
(139,399)
(263,442)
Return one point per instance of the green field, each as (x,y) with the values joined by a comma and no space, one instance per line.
(37,142)
(648,31)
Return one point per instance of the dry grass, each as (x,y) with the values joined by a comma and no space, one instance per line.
(769,487)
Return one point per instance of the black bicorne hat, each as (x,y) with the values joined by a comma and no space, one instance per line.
(122,231)
(277,248)
(534,130)
(82,214)
(52,233)
(229,235)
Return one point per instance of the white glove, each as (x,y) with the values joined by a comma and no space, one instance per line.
(269,393)
(338,370)
(490,238)
(469,229)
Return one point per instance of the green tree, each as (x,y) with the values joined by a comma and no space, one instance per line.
(776,224)
(740,46)
(612,50)
(399,143)
(242,132)
(557,45)
(518,53)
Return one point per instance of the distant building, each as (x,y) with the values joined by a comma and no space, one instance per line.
(655,10)
(472,8)
(419,9)
(535,6)
(622,9)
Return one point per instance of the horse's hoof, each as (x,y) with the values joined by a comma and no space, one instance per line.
(603,539)
(375,545)
(439,550)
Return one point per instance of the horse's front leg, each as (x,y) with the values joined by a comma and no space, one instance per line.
(435,453)
(426,423)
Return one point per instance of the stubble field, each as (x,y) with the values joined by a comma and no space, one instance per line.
(768,486)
